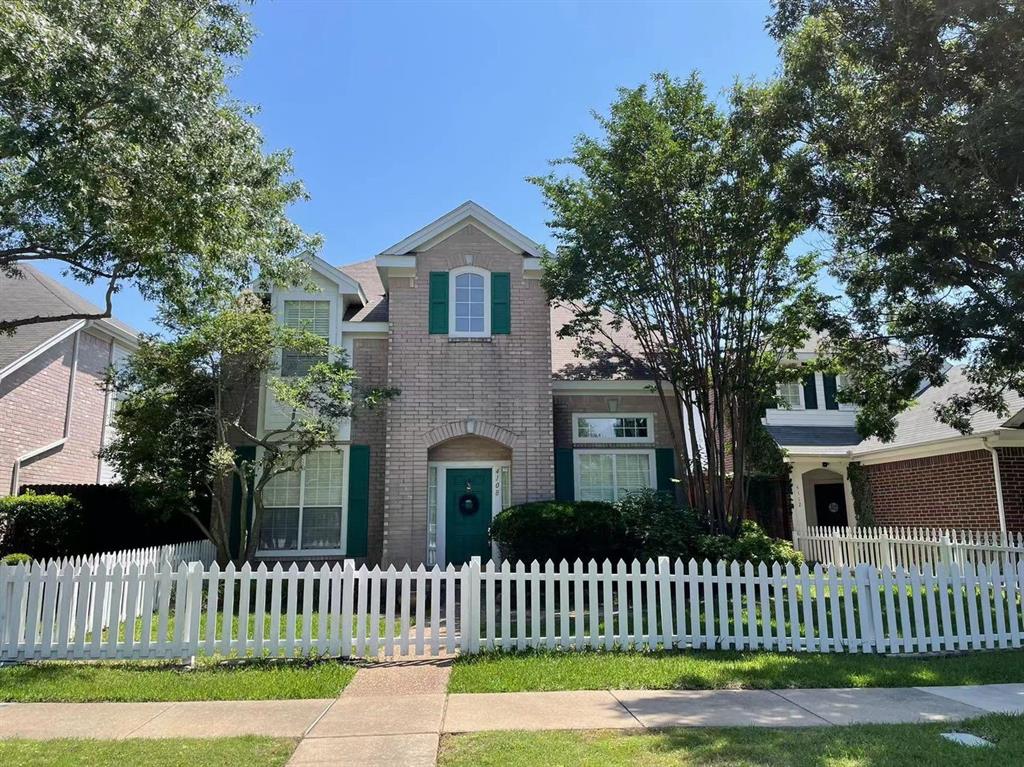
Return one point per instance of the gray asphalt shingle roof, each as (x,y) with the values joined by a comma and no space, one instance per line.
(36,294)
(814,436)
(917,424)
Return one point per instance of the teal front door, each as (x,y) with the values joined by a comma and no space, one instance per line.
(467,514)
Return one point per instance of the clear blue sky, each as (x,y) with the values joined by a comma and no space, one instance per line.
(398,112)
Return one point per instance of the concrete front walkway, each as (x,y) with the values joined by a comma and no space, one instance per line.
(394,713)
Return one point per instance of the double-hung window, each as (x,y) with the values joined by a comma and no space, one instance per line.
(843,382)
(790,395)
(613,428)
(304,508)
(314,316)
(611,475)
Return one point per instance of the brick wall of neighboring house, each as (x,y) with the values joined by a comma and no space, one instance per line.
(33,401)
(502,383)
(955,490)
(370,360)
(1011,472)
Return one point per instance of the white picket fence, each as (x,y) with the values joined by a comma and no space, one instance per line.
(910,547)
(345,611)
(169,555)
(172,553)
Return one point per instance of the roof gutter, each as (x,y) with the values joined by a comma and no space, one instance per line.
(999,486)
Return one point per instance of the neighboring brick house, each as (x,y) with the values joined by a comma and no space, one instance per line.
(929,475)
(493,410)
(54,410)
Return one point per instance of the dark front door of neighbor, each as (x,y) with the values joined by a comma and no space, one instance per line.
(467,514)
(830,505)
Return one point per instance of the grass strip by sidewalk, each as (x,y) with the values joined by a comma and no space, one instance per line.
(903,745)
(237,752)
(153,681)
(705,669)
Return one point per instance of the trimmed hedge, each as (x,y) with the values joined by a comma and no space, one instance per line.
(559,530)
(42,526)
(644,525)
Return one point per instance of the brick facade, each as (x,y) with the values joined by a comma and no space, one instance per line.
(501,385)
(33,403)
(565,405)
(955,490)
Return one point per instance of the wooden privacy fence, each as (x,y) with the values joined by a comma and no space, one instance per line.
(192,610)
(909,547)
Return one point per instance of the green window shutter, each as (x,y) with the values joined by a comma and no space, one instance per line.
(501,303)
(810,393)
(438,303)
(358,500)
(831,403)
(665,467)
(243,453)
(564,482)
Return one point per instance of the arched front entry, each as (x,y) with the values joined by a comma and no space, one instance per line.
(825,498)
(468,482)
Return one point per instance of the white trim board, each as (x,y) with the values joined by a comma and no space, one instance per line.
(468,211)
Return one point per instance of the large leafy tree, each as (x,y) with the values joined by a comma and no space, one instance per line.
(913,112)
(123,158)
(185,403)
(675,225)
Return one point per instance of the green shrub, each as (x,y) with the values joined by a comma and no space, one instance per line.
(558,530)
(16,559)
(656,527)
(44,526)
(752,544)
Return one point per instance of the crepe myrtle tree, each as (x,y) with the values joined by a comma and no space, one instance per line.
(912,114)
(124,160)
(184,405)
(675,225)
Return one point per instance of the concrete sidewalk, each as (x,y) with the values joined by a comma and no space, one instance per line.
(394,713)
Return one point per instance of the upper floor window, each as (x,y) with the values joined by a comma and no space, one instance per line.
(790,394)
(469,302)
(626,427)
(314,316)
(843,382)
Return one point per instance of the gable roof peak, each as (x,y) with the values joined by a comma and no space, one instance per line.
(457,217)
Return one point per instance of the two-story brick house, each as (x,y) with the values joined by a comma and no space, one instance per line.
(494,408)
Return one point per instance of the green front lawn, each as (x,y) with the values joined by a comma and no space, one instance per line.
(705,669)
(151,681)
(236,752)
(905,745)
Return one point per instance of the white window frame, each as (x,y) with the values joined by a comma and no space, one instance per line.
(615,474)
(800,392)
(301,552)
(317,299)
(843,382)
(452,275)
(648,440)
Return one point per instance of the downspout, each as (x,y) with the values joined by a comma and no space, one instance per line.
(999,486)
(16,469)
